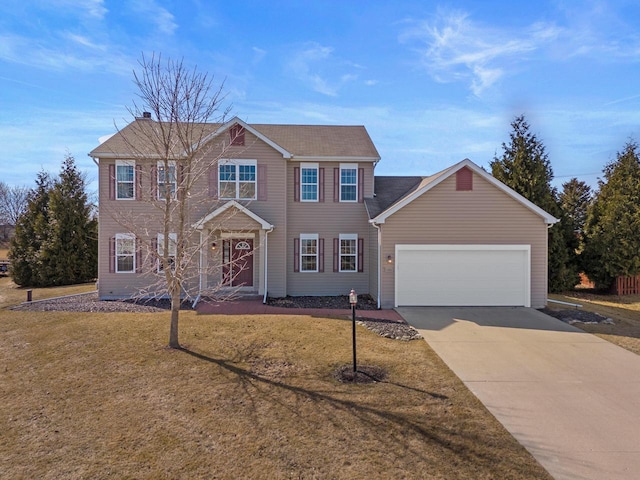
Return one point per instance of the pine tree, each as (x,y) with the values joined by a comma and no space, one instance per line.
(612,229)
(525,167)
(70,254)
(31,233)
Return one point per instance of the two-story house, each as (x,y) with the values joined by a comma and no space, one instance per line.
(296,210)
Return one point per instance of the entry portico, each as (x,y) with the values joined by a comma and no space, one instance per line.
(233,250)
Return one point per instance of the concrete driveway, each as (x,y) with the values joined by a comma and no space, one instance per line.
(572,399)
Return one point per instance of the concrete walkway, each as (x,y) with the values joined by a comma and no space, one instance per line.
(571,398)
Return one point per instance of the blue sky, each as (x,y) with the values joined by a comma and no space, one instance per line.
(433,82)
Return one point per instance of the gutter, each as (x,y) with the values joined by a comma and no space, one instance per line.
(377,227)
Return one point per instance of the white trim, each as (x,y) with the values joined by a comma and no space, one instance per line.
(475,247)
(161,164)
(227,235)
(237,162)
(348,166)
(200,224)
(315,158)
(347,236)
(441,176)
(309,236)
(125,163)
(310,166)
(173,248)
(125,236)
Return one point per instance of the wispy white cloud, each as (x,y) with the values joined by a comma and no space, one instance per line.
(91,8)
(163,19)
(310,65)
(454,48)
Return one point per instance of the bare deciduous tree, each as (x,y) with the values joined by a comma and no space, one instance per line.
(13,202)
(177,140)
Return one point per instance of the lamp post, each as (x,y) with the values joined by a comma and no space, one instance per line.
(353,300)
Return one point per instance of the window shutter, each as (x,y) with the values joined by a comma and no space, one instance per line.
(138,256)
(112,181)
(112,254)
(296,254)
(296,184)
(321,255)
(262,183)
(336,254)
(138,185)
(154,182)
(213,181)
(154,252)
(361,185)
(336,185)
(360,254)
(180,180)
(321,184)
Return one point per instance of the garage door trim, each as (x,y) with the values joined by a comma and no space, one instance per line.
(526,249)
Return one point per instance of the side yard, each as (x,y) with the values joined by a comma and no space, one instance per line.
(623,310)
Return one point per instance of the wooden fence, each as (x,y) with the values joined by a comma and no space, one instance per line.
(627,285)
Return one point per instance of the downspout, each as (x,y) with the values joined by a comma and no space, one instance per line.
(195,302)
(266,263)
(379,259)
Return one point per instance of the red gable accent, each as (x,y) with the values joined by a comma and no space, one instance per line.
(464,179)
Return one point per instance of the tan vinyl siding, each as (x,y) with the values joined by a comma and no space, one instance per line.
(484,215)
(148,218)
(328,219)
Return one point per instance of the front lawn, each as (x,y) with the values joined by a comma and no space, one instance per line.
(11,294)
(99,396)
(623,310)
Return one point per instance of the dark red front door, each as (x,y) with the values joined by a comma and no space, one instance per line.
(237,255)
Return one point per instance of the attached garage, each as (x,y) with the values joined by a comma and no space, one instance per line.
(463,275)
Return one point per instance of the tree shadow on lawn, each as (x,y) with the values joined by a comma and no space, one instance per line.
(459,442)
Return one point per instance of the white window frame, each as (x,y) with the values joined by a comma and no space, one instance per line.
(309,166)
(120,237)
(161,185)
(126,163)
(351,237)
(304,237)
(237,163)
(349,166)
(173,249)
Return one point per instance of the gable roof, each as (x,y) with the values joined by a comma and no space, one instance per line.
(380,209)
(200,224)
(303,142)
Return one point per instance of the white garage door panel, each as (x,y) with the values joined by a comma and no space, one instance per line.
(462,275)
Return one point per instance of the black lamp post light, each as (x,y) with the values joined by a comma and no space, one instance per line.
(353,300)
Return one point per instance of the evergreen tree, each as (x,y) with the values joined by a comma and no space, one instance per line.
(31,232)
(70,254)
(574,201)
(525,167)
(612,229)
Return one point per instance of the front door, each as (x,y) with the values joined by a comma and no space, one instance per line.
(237,257)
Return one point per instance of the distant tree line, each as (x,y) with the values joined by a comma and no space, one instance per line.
(56,235)
(598,232)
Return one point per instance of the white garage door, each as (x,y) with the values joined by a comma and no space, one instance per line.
(463,275)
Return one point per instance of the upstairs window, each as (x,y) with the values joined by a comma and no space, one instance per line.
(309,182)
(348,183)
(125,180)
(237,179)
(236,135)
(167,181)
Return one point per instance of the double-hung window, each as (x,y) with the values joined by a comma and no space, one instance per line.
(348,252)
(309,182)
(167,180)
(237,179)
(348,182)
(309,252)
(125,250)
(125,179)
(171,251)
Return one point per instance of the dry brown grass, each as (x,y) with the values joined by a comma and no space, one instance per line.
(11,294)
(99,396)
(4,253)
(623,310)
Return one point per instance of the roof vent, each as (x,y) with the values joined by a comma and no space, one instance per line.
(146,114)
